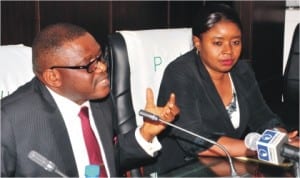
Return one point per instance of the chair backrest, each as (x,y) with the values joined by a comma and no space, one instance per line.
(137,61)
(16,67)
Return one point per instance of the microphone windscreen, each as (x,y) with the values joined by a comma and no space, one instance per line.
(41,160)
(148,115)
(251,139)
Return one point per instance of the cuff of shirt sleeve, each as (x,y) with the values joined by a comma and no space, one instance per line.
(149,147)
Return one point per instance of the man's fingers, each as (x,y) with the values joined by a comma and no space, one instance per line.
(170,109)
(172,105)
(172,99)
(149,98)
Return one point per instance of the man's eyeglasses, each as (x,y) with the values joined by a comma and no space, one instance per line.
(90,67)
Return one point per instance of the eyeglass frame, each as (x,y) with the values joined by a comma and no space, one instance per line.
(97,59)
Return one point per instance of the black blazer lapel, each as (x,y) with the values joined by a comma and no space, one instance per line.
(62,150)
(204,79)
(102,113)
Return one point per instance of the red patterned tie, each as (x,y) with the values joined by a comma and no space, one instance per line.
(91,143)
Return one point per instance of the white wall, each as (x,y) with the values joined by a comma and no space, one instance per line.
(292,18)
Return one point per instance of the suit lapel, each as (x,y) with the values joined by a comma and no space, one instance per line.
(103,119)
(208,86)
(62,150)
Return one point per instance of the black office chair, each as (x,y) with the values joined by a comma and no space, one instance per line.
(120,72)
(120,86)
(120,82)
(291,84)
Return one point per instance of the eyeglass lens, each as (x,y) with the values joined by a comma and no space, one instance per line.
(93,65)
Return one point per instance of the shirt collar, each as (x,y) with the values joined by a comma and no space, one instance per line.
(64,103)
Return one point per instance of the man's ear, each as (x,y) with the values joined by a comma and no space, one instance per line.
(196,42)
(51,78)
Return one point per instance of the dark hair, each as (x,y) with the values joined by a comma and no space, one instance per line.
(211,14)
(50,39)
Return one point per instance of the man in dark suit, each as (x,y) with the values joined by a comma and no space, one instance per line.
(43,116)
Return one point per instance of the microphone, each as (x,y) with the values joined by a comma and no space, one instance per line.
(157,118)
(272,146)
(44,163)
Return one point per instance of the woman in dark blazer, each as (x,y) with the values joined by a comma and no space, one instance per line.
(218,95)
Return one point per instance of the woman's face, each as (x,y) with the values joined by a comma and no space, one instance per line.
(220,47)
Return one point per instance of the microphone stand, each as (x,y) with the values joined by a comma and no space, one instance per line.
(157,118)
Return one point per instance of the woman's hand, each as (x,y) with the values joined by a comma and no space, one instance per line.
(293,138)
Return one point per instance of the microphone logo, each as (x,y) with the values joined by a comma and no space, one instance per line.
(267,136)
(263,152)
